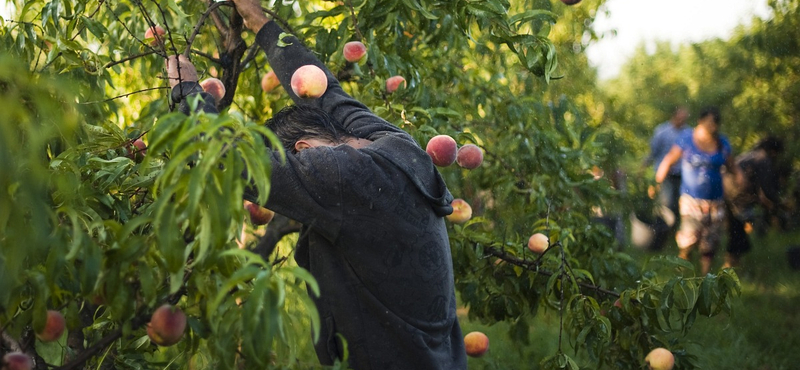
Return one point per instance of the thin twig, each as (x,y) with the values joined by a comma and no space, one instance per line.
(221,27)
(534,266)
(199,24)
(284,24)
(151,24)
(101,344)
(124,95)
(207,56)
(83,27)
(129,58)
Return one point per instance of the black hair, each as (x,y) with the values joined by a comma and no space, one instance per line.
(298,122)
(771,144)
(713,112)
(678,108)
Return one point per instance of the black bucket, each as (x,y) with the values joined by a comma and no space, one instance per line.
(793,256)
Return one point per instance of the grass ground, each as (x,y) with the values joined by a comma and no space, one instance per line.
(763,333)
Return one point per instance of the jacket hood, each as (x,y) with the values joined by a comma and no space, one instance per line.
(409,157)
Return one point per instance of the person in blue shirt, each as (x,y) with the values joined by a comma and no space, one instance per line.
(701,154)
(664,137)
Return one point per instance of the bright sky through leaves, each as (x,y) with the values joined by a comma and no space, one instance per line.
(636,21)
(677,21)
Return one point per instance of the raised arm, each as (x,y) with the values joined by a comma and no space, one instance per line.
(296,180)
(292,54)
(663,169)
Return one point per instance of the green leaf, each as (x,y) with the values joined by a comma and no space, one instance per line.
(305,276)
(415,5)
(529,15)
(281,43)
(95,27)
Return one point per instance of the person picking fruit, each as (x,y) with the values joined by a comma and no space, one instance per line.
(372,205)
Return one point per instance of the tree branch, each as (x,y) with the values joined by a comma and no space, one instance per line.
(252,51)
(534,266)
(284,24)
(129,58)
(124,95)
(138,321)
(218,22)
(10,343)
(207,56)
(234,49)
(199,24)
(81,358)
(83,27)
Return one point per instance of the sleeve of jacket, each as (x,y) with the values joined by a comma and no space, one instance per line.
(291,55)
(306,187)
(185,89)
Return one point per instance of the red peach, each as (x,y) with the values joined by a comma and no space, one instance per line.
(570,2)
(167,325)
(355,52)
(154,35)
(258,215)
(214,87)
(53,328)
(442,149)
(309,81)
(17,361)
(393,83)
(462,211)
(269,82)
(137,150)
(469,156)
(537,243)
(660,359)
(476,344)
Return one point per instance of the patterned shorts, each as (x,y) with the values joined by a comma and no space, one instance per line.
(702,222)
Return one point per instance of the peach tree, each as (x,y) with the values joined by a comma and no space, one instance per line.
(105,230)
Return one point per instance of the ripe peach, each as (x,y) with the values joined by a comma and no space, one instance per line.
(53,327)
(214,87)
(442,149)
(660,359)
(309,81)
(137,150)
(597,172)
(393,83)
(269,82)
(355,52)
(258,215)
(17,361)
(618,303)
(537,243)
(462,211)
(469,156)
(476,344)
(154,36)
(167,325)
